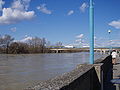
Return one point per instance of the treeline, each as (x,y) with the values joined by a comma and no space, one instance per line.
(34,45)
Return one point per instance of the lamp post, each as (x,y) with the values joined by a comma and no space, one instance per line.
(109,31)
(91,23)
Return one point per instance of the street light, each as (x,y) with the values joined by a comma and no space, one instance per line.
(91,23)
(109,31)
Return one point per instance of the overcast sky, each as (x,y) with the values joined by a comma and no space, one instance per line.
(61,20)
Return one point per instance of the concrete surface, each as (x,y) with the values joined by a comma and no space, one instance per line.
(116,73)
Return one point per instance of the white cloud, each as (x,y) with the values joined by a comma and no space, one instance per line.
(115,24)
(17,5)
(107,43)
(70,12)
(44,9)
(21,4)
(11,16)
(26,39)
(78,40)
(1,4)
(15,13)
(80,36)
(26,36)
(26,3)
(13,29)
(81,41)
(114,43)
(85,45)
(83,7)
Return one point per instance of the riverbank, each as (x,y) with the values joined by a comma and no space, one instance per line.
(47,50)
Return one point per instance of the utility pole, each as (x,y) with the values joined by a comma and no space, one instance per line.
(91,23)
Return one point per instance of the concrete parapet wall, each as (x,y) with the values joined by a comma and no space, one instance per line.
(83,77)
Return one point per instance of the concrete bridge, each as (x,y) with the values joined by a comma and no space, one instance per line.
(60,50)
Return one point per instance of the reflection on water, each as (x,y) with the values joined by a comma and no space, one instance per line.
(20,71)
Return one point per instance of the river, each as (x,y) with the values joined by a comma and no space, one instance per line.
(20,71)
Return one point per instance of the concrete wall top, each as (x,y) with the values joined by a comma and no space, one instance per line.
(63,80)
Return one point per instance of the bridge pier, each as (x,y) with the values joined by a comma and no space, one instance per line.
(57,51)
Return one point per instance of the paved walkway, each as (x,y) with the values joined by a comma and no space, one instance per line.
(116,69)
(116,73)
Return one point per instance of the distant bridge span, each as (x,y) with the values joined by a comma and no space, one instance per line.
(59,50)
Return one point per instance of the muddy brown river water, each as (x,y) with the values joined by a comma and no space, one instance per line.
(20,71)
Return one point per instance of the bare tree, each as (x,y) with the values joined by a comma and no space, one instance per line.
(37,44)
(5,41)
(18,48)
(34,45)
